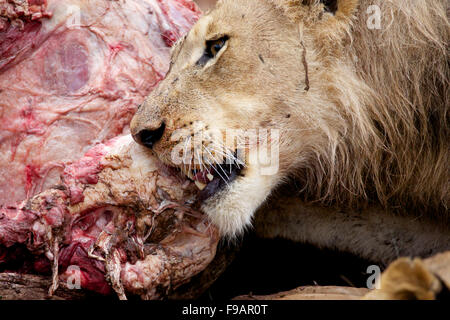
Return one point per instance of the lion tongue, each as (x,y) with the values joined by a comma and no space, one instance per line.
(202,177)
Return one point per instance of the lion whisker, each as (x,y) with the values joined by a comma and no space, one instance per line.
(214,167)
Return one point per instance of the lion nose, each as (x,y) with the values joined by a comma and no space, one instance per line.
(149,136)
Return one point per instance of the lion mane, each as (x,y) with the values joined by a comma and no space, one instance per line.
(393,145)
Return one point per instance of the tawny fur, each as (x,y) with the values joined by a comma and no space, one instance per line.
(390,92)
(393,144)
(363,113)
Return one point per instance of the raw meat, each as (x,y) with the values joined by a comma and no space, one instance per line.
(72,73)
(119,219)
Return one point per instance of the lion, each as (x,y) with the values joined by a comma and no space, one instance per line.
(352,94)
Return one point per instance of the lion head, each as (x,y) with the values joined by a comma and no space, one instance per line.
(275,75)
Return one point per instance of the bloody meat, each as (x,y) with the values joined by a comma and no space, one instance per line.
(119,220)
(72,73)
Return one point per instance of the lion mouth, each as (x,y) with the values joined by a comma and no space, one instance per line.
(214,178)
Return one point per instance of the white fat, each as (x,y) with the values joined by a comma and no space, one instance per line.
(38,227)
(49,255)
(143,161)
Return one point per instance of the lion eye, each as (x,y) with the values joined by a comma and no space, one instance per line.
(213,47)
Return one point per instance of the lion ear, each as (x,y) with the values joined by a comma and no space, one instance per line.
(342,9)
(328,19)
(313,10)
(328,5)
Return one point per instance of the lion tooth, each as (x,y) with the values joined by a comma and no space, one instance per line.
(210,177)
(200,185)
(190,175)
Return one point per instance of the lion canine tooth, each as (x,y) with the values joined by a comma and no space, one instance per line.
(200,185)
(190,175)
(210,177)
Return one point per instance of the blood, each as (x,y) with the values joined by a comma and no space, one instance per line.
(84,171)
(92,272)
(30,123)
(14,40)
(31,174)
(169,37)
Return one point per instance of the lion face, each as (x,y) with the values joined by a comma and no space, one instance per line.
(245,70)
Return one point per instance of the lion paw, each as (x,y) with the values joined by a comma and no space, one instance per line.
(407,279)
